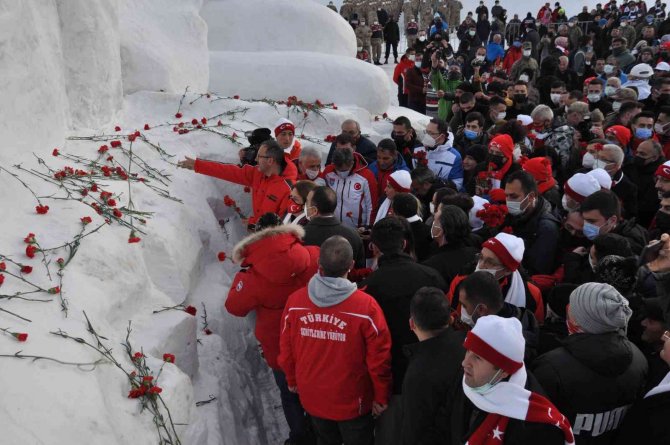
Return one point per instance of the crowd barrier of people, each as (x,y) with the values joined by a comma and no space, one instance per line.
(502,276)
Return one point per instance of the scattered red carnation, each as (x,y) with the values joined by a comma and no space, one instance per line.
(42,210)
(20,336)
(147,127)
(155,390)
(132,137)
(55,152)
(117,128)
(3,266)
(118,213)
(236,97)
(208,331)
(30,251)
(86,220)
(190,310)
(29,239)
(115,144)
(111,202)
(134,239)
(168,358)
(2,279)
(194,121)
(385,115)
(203,120)
(26,269)
(492,215)
(54,290)
(178,115)
(222,256)
(137,356)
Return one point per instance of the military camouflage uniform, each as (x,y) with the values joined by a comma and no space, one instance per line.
(364,33)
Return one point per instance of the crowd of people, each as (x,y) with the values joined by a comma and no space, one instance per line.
(502,276)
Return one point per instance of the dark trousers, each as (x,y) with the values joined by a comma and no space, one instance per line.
(293,411)
(395,49)
(358,431)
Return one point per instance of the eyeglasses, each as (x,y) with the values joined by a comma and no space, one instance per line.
(487,262)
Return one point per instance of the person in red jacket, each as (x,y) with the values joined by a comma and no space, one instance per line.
(271,180)
(406,61)
(275,264)
(335,349)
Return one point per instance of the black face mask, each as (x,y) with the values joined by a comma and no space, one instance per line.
(638,162)
(663,99)
(520,98)
(570,242)
(497,160)
(400,141)
(662,221)
(454,75)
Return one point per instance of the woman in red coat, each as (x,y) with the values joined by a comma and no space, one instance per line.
(275,263)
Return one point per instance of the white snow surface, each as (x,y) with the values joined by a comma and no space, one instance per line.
(48,99)
(286,25)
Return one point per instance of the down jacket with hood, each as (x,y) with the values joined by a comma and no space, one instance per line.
(336,349)
(275,264)
(593,379)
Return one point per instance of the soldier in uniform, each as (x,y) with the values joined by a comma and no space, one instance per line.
(376,39)
(455,14)
(412,33)
(372,11)
(346,9)
(364,33)
(426,15)
(407,12)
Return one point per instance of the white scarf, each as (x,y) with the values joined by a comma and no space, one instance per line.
(383,210)
(516,294)
(662,387)
(509,399)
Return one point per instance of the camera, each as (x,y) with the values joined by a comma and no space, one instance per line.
(256,138)
(584,128)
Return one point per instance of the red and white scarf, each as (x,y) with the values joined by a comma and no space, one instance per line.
(510,400)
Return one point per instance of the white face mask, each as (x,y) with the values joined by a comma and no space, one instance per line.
(466,317)
(360,48)
(312,173)
(422,38)
(305,212)
(609,69)
(659,128)
(592,263)
(493,272)
(514,207)
(480,58)
(502,116)
(435,232)
(527,52)
(428,141)
(472,33)
(487,387)
(588,160)
(555,98)
(610,90)
(599,164)
(616,105)
(344,174)
(431,206)
(593,97)
(524,78)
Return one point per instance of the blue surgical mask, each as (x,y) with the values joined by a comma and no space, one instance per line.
(591,231)
(487,387)
(643,133)
(470,135)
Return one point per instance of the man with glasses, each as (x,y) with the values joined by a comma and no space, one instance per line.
(270,180)
(363,146)
(441,157)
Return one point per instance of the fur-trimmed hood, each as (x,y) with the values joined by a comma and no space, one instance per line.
(276,256)
(240,250)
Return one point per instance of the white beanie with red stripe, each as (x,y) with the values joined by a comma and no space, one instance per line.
(580,186)
(602,177)
(508,248)
(284,124)
(401,181)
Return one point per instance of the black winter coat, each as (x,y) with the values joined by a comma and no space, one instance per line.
(540,233)
(635,233)
(592,380)
(433,378)
(320,228)
(423,242)
(647,196)
(392,32)
(626,190)
(393,285)
(647,422)
(365,147)
(450,261)
(466,418)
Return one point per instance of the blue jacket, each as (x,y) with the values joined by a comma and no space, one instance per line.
(400,164)
(493,51)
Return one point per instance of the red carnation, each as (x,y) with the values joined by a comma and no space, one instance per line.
(191,310)
(117,128)
(334,107)
(26,269)
(136,393)
(111,202)
(219,124)
(350,214)
(29,239)
(30,251)
(203,120)
(194,121)
(222,256)
(3,266)
(147,379)
(137,356)
(115,144)
(134,239)
(60,262)
(20,336)
(234,135)
(42,210)
(236,97)
(155,390)
(178,115)
(147,127)
(118,213)
(2,279)
(55,152)
(168,358)
(54,290)
(228,201)
(86,220)
(385,115)
(94,188)
(208,331)
(132,137)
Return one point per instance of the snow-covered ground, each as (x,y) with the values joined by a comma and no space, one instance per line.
(63,78)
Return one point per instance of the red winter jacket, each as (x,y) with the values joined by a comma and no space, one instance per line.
(276,264)
(339,356)
(268,194)
(400,68)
